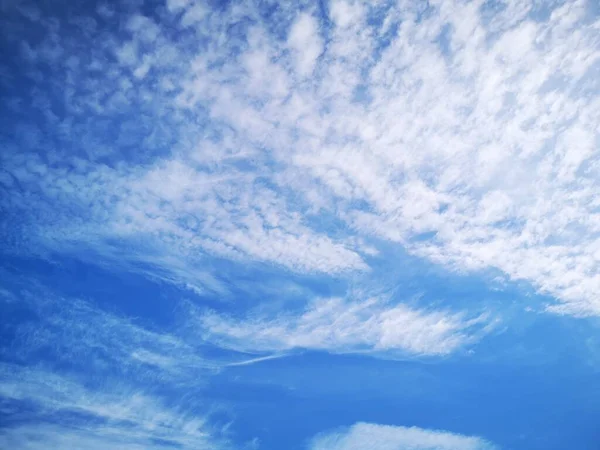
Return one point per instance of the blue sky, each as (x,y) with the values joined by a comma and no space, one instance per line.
(300,225)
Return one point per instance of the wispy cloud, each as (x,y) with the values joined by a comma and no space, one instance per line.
(76,376)
(386,437)
(248,362)
(288,139)
(69,415)
(80,334)
(463,132)
(340,326)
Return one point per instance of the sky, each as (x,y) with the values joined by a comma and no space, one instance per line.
(300,225)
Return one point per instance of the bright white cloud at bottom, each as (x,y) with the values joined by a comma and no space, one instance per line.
(368,436)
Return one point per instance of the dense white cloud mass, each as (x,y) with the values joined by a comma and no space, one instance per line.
(464,131)
(367,436)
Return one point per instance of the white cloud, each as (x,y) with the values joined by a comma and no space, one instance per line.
(176,5)
(104,381)
(78,333)
(466,135)
(348,326)
(145,28)
(128,54)
(108,417)
(386,437)
(474,144)
(345,14)
(185,213)
(194,14)
(228,214)
(305,42)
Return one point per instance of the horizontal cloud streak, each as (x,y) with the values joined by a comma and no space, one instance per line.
(341,326)
(385,437)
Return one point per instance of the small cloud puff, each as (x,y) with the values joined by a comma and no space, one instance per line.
(362,436)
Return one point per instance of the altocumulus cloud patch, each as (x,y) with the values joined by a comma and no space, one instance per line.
(478,130)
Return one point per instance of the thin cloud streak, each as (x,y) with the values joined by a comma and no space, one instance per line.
(341,326)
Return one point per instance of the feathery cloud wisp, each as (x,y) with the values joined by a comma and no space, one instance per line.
(342,326)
